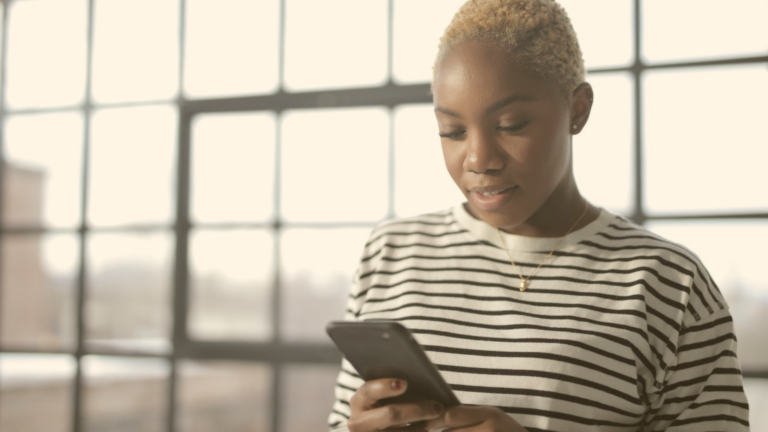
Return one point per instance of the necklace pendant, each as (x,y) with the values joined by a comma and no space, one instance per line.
(523,284)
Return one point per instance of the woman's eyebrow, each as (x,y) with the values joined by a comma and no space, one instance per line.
(448,112)
(492,107)
(508,100)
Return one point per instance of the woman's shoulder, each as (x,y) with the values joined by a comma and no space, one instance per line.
(436,218)
(670,263)
(424,233)
(440,222)
(620,234)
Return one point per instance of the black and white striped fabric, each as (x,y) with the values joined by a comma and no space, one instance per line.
(621,330)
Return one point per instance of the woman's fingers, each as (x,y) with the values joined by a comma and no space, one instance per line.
(467,419)
(372,391)
(367,416)
(458,416)
(395,416)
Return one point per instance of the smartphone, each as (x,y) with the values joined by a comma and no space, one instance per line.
(386,349)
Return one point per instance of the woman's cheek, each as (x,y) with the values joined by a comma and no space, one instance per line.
(519,150)
(454,158)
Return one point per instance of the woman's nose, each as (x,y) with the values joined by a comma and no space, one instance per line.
(483,154)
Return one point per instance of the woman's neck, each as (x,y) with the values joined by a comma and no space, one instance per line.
(564,207)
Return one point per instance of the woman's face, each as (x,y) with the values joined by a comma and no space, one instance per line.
(505,136)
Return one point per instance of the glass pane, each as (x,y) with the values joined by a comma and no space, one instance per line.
(422,183)
(224,397)
(603,155)
(36,392)
(135,50)
(128,297)
(606,38)
(43,170)
(231,279)
(334,164)
(39,277)
(697,30)
(705,139)
(3,46)
(417,27)
(231,47)
(757,395)
(125,394)
(306,397)
(233,167)
(46,53)
(335,43)
(315,284)
(132,176)
(734,253)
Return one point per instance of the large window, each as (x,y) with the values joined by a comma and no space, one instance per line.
(186,187)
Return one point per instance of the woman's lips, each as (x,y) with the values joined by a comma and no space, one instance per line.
(490,201)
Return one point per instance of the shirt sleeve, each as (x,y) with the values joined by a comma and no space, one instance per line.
(703,390)
(348,381)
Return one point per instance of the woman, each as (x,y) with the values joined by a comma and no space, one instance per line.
(541,310)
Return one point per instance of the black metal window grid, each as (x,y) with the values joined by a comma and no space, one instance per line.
(278,353)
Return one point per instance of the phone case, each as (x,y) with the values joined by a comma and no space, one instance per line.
(386,349)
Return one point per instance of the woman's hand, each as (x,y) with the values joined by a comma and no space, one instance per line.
(474,419)
(367,417)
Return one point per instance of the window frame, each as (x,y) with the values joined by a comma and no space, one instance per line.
(276,353)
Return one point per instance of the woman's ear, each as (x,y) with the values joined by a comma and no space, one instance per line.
(581,106)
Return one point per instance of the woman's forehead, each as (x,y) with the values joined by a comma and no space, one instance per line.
(480,70)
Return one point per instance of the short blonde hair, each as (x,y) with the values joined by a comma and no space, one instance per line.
(536,32)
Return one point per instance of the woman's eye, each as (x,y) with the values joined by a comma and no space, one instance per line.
(515,127)
(452,135)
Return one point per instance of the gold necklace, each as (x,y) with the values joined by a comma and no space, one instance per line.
(524,280)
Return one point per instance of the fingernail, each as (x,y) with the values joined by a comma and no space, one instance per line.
(437,408)
(396,384)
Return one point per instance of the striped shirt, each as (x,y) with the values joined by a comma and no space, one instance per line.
(620,330)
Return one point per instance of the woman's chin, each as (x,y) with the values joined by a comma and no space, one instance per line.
(505,220)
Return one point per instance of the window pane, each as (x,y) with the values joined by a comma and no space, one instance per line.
(224,396)
(697,30)
(334,164)
(417,27)
(36,392)
(306,397)
(125,394)
(231,47)
(734,253)
(39,275)
(422,183)
(603,153)
(135,50)
(705,140)
(605,37)
(757,395)
(3,47)
(46,53)
(335,43)
(43,155)
(128,296)
(315,284)
(132,177)
(231,278)
(233,167)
